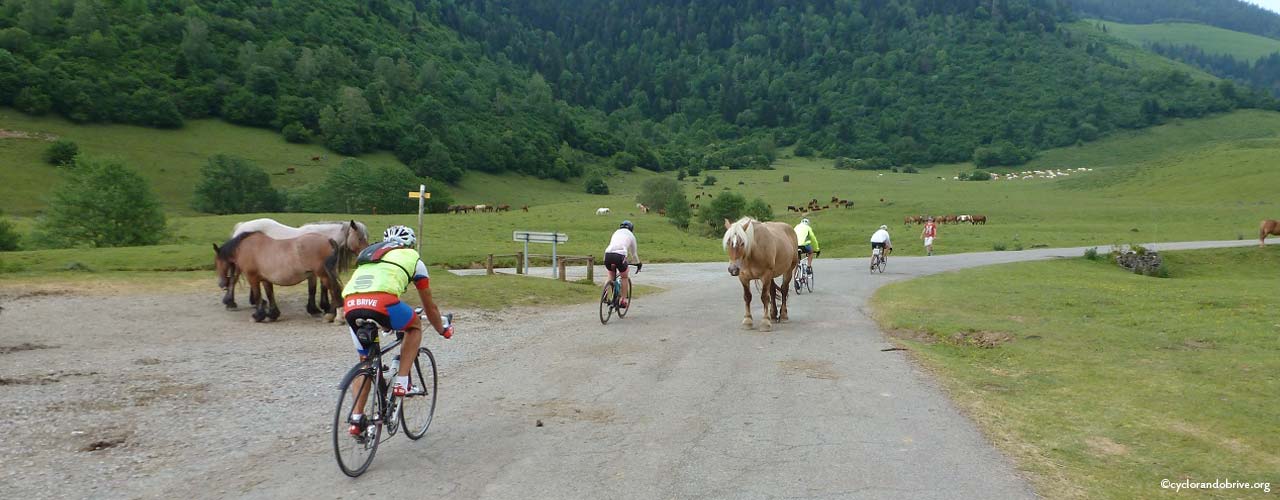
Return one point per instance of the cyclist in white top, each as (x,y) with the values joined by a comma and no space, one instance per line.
(880,239)
(621,250)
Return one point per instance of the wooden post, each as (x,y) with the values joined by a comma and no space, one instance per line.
(519,262)
(560,267)
(488,265)
(591,268)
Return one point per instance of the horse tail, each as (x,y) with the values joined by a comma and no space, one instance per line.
(331,263)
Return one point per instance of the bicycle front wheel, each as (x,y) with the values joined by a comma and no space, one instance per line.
(606,302)
(419,406)
(355,452)
(622,311)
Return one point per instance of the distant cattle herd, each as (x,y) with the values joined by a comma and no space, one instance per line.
(945,219)
(464,209)
(814,206)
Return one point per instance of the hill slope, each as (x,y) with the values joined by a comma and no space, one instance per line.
(1210,39)
(1229,14)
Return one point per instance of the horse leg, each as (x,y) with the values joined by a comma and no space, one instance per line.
(746,298)
(786,292)
(325,291)
(311,296)
(229,298)
(766,300)
(273,309)
(255,298)
(330,302)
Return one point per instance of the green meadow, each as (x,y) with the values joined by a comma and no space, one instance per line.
(1102,382)
(1186,180)
(1211,39)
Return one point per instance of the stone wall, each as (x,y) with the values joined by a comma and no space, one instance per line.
(1145,263)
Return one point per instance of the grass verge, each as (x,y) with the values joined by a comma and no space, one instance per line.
(1102,383)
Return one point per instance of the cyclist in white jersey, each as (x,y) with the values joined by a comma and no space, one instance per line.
(880,239)
(622,250)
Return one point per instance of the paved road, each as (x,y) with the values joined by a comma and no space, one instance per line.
(678,401)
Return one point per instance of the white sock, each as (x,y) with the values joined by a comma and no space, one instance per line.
(402,381)
(357,416)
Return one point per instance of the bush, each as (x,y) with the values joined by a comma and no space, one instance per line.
(356,187)
(438,164)
(625,161)
(296,133)
(8,237)
(231,185)
(975,176)
(105,204)
(998,246)
(1001,154)
(910,170)
(62,152)
(710,180)
(726,206)
(658,193)
(786,178)
(678,211)
(595,185)
(1091,253)
(759,210)
(680,176)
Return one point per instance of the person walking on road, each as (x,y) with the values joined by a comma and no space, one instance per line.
(929,233)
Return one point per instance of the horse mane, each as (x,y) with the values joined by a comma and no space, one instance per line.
(345,256)
(747,235)
(228,249)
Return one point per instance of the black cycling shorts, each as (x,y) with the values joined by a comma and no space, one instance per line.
(877,245)
(806,249)
(615,262)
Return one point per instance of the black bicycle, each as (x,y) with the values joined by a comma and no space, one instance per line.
(804,275)
(611,293)
(383,411)
(878,260)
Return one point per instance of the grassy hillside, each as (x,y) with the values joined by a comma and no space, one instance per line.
(1188,180)
(1211,39)
(1108,382)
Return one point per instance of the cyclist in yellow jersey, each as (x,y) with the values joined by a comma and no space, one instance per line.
(383,273)
(808,241)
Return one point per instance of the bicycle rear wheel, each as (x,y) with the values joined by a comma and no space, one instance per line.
(622,311)
(881,265)
(808,281)
(355,453)
(419,406)
(606,302)
(875,261)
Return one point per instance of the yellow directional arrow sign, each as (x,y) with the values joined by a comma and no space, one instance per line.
(415,194)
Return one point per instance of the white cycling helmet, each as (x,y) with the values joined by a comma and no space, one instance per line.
(882,226)
(805,221)
(400,234)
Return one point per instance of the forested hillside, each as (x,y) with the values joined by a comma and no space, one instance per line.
(453,85)
(893,81)
(1230,14)
(1263,73)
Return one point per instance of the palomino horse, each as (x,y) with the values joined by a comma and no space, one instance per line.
(1268,227)
(351,237)
(762,251)
(267,261)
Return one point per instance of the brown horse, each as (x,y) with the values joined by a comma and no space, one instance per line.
(268,262)
(1268,227)
(762,251)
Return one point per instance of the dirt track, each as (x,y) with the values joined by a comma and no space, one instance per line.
(169,395)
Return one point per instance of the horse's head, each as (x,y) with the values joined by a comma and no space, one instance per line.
(737,243)
(223,266)
(357,236)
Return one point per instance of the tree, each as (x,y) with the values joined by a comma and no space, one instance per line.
(357,187)
(61,153)
(296,133)
(759,210)
(104,204)
(231,185)
(726,206)
(709,180)
(437,163)
(8,237)
(657,193)
(596,185)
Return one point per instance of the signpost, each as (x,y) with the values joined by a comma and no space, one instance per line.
(535,237)
(422,195)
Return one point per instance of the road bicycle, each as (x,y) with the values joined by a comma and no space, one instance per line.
(382,411)
(877,260)
(609,295)
(804,278)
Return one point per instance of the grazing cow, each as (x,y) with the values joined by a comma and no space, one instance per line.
(602,211)
(846,203)
(962,218)
(525,208)
(699,195)
(792,208)
(504,208)
(481,208)
(835,199)
(643,209)
(315,158)
(978,219)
